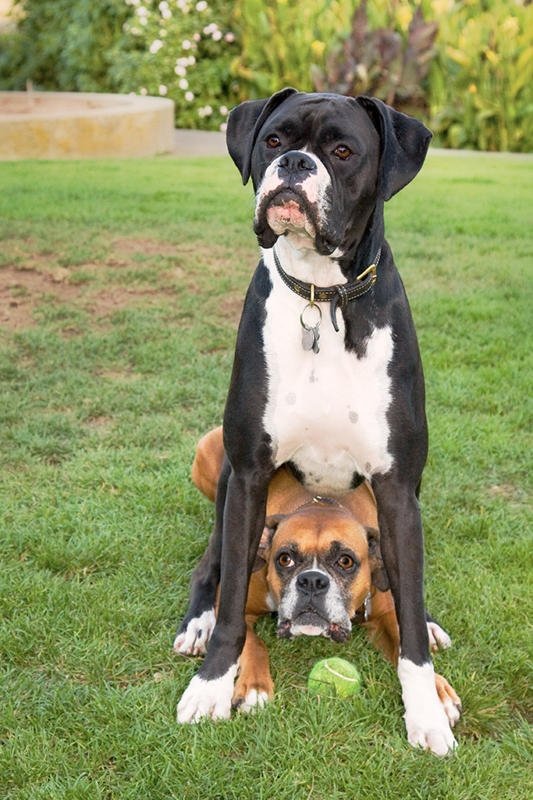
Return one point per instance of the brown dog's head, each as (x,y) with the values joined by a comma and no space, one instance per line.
(320,564)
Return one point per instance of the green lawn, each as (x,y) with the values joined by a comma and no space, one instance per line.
(120,288)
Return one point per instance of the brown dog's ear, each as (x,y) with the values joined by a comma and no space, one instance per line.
(380,579)
(244,123)
(265,543)
(404,144)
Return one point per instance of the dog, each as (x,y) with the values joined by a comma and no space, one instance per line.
(319,567)
(327,375)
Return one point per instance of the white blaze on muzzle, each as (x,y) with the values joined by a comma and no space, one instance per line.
(312,189)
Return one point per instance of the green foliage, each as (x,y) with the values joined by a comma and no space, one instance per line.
(62,44)
(382,62)
(481,88)
(181,50)
(280,40)
(206,55)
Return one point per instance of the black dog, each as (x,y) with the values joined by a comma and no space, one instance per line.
(327,374)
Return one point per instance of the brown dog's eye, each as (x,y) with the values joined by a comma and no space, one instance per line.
(273,141)
(342,152)
(285,560)
(346,562)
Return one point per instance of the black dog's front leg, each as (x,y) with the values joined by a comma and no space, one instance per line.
(402,550)
(210,692)
(199,621)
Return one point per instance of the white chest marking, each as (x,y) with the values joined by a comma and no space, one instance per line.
(326,412)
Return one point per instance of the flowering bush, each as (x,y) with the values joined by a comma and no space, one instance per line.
(180,49)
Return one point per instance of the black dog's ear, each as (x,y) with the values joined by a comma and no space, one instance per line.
(265,544)
(404,144)
(380,579)
(244,123)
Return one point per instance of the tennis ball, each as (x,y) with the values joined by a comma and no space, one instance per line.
(334,677)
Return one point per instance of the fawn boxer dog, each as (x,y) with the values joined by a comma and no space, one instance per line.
(327,375)
(319,567)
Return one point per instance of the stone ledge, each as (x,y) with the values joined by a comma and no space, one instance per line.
(49,125)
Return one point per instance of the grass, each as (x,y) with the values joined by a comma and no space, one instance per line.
(120,290)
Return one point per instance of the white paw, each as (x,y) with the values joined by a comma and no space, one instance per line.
(254,699)
(438,638)
(431,733)
(193,640)
(209,699)
(426,719)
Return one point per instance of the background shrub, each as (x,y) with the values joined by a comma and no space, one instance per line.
(62,44)
(481,83)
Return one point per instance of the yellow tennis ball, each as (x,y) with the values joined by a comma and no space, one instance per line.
(334,677)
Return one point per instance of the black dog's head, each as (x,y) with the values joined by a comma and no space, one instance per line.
(320,162)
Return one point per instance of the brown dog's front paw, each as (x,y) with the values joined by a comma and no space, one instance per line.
(252,693)
(449,698)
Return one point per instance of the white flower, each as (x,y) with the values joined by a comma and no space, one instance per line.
(162,89)
(163,5)
(143,91)
(180,71)
(156,45)
(217,36)
(190,61)
(223,127)
(183,6)
(183,84)
(223,110)
(189,97)
(196,37)
(201,6)
(142,11)
(229,37)
(209,29)
(186,44)
(205,111)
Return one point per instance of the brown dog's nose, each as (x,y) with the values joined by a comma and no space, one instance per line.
(312,582)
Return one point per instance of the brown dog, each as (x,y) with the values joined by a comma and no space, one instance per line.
(319,566)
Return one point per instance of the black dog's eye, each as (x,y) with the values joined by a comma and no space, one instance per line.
(273,141)
(346,562)
(342,151)
(285,560)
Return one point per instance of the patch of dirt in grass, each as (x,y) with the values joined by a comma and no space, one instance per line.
(506,491)
(22,289)
(32,279)
(131,245)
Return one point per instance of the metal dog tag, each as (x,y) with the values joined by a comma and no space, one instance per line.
(308,338)
(311,328)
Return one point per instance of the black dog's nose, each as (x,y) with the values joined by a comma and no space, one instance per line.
(312,582)
(296,161)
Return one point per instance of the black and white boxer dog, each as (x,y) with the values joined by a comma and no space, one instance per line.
(327,375)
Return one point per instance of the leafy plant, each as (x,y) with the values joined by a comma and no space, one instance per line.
(382,62)
(280,40)
(62,44)
(481,84)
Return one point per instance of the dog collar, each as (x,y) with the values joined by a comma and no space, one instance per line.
(339,295)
